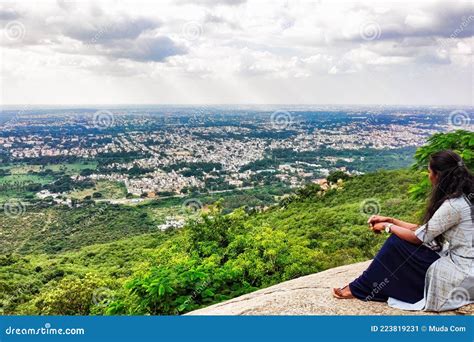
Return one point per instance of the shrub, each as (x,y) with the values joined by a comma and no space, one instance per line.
(73,296)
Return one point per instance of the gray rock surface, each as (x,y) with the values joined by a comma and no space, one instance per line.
(310,295)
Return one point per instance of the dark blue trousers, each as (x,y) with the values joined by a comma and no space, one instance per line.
(398,271)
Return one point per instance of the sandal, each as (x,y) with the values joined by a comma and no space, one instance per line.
(337,293)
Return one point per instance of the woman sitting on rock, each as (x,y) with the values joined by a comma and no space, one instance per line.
(431,266)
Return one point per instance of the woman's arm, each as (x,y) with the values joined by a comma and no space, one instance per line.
(448,215)
(403,224)
(379,219)
(403,233)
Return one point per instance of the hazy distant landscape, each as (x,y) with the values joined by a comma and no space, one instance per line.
(170,154)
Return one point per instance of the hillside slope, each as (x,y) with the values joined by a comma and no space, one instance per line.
(311,295)
(57,262)
(232,254)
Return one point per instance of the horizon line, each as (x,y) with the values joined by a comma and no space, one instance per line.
(25,106)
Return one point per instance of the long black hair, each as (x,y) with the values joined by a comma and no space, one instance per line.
(453,180)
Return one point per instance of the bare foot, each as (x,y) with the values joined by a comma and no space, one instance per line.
(342,293)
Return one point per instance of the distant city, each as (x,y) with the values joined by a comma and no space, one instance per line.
(163,151)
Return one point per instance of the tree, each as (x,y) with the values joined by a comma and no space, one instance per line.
(334,176)
(97,195)
(308,191)
(73,296)
(461,142)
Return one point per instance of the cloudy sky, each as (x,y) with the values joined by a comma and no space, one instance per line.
(237,51)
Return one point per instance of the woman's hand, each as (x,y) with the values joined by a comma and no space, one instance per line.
(378,227)
(377,219)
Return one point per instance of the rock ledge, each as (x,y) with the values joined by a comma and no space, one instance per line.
(311,295)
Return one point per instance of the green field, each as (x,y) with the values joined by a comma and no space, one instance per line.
(108,189)
(25,178)
(68,169)
(15,184)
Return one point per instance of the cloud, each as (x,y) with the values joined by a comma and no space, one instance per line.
(89,30)
(134,38)
(147,49)
(213,2)
(219,20)
(439,19)
(102,29)
(232,41)
(8,14)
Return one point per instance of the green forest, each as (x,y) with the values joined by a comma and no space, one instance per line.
(104,259)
